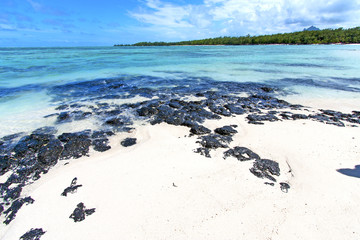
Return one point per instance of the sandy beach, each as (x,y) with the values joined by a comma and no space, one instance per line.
(160,188)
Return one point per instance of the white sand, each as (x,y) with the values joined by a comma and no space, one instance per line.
(133,193)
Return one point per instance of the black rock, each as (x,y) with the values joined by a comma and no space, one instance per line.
(45,130)
(13,193)
(147,111)
(238,110)
(199,130)
(299,116)
(5,164)
(72,188)
(174,103)
(241,154)
(102,134)
(80,212)
(62,107)
(49,154)
(284,187)
(220,110)
(265,168)
(226,130)
(127,142)
(15,207)
(63,117)
(66,137)
(31,144)
(11,136)
(80,115)
(271,184)
(214,141)
(267,89)
(76,148)
(1,209)
(257,119)
(89,211)
(203,151)
(116,122)
(33,234)
(101,145)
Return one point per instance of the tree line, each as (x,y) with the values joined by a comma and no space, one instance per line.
(326,36)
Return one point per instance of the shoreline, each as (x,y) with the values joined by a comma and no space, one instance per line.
(159,188)
(183,165)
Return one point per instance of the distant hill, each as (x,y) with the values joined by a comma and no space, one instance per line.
(312,28)
(326,36)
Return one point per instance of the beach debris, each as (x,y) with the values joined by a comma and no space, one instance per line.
(241,154)
(81,212)
(174,185)
(33,234)
(265,168)
(284,187)
(72,188)
(127,142)
(15,207)
(226,130)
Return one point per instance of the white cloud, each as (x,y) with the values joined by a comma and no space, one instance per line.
(163,14)
(240,17)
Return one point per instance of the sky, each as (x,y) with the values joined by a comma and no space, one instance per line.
(42,23)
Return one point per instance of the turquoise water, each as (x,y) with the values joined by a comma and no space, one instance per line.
(29,75)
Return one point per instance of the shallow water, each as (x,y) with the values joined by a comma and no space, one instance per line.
(33,81)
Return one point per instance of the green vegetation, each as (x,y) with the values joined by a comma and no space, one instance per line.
(326,36)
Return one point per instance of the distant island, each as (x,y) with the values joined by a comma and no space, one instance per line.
(311,35)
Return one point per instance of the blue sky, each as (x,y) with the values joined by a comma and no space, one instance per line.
(107,22)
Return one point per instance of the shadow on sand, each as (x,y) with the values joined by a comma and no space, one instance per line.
(355,172)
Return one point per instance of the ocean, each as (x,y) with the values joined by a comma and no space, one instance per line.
(36,82)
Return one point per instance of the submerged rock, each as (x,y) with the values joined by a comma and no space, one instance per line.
(33,234)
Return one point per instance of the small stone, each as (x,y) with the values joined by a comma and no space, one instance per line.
(33,234)
(284,187)
(127,142)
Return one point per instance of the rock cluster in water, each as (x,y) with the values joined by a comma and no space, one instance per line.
(26,156)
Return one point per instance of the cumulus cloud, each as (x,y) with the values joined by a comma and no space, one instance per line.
(240,17)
